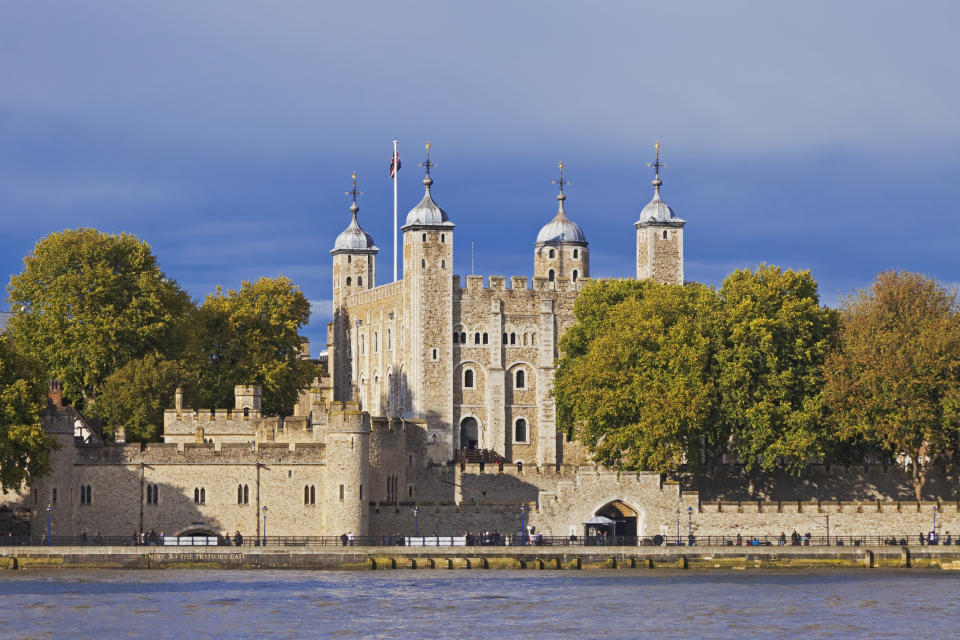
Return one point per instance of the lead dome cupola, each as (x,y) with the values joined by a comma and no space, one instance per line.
(561,229)
(353,238)
(427,213)
(657,210)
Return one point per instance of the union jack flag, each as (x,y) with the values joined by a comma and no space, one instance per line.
(394,164)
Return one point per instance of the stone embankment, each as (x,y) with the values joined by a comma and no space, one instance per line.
(359,558)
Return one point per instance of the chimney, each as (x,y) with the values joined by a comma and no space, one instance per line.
(119,435)
(55,394)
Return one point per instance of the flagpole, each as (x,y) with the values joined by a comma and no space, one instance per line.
(395,173)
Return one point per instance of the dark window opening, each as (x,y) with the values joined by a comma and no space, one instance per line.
(520,379)
(551,275)
(485,339)
(468,379)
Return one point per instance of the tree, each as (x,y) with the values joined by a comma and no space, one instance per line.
(24,446)
(640,390)
(135,396)
(251,336)
(894,378)
(770,366)
(88,302)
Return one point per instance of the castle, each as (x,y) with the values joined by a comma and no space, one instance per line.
(436,406)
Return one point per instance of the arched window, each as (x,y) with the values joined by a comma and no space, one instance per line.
(349,259)
(389,340)
(476,338)
(306,494)
(575,275)
(423,264)
(513,338)
(246,494)
(468,379)
(313,494)
(551,275)
(486,339)
(443,264)
(434,354)
(239,494)
(520,431)
(533,338)
(424,238)
(89,499)
(505,339)
(521,379)
(362,344)
(456,337)
(359,281)
(376,340)
(664,235)
(156,494)
(246,412)
(553,254)
(576,253)
(196,495)
(203,495)
(349,281)
(525,339)
(443,237)
(463,337)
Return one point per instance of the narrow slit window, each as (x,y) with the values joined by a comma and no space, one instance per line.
(521,379)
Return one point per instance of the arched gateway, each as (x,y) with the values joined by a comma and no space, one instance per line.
(469,433)
(624,523)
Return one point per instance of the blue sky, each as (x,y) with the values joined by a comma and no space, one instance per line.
(814,135)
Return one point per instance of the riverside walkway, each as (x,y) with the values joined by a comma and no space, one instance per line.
(532,557)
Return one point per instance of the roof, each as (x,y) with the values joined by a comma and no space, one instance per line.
(561,229)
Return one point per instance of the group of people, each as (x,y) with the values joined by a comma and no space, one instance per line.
(796,539)
(933,538)
(347,538)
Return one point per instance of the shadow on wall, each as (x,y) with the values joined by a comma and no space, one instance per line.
(819,482)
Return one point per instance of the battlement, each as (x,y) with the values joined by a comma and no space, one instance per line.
(200,453)
(384,291)
(518,284)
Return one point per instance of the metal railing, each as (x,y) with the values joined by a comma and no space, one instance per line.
(489,540)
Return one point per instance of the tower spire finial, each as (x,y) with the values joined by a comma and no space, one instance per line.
(656,164)
(354,192)
(428,164)
(561,182)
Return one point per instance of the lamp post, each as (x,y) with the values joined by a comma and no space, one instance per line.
(523,530)
(934,523)
(264,525)
(49,512)
(689,525)
(678,527)
(416,527)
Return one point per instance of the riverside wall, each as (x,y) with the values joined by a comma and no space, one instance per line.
(538,558)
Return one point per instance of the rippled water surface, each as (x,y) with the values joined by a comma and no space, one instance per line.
(479,604)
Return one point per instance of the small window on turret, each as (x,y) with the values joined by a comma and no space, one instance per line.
(443,237)
(664,235)
(553,254)
(575,275)
(443,264)
(349,281)
(576,253)
(349,259)
(468,379)
(424,238)
(551,275)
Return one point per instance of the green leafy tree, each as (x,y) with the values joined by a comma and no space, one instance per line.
(770,366)
(88,302)
(24,446)
(251,336)
(640,390)
(135,396)
(894,379)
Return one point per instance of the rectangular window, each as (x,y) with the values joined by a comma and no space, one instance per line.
(361,492)
(54,496)
(409,490)
(341,492)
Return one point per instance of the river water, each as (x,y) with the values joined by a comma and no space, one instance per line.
(479,604)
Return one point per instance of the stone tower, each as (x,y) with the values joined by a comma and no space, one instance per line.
(561,249)
(354,269)
(659,237)
(346,486)
(428,293)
